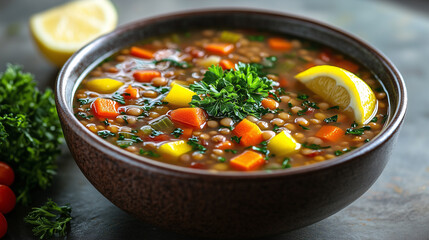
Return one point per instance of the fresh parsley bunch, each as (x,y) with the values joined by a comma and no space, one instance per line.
(30,132)
(234,93)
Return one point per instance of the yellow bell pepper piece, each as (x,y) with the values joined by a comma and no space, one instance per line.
(179,96)
(174,150)
(104,85)
(283,144)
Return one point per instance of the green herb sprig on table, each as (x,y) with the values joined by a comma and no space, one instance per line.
(49,220)
(234,93)
(30,132)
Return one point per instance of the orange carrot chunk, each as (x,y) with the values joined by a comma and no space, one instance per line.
(224,145)
(330,133)
(187,133)
(226,64)
(105,108)
(347,65)
(131,93)
(146,75)
(247,161)
(141,53)
(249,132)
(269,103)
(193,117)
(279,44)
(219,48)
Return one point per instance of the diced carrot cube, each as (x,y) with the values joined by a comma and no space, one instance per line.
(193,117)
(131,93)
(330,133)
(249,132)
(247,161)
(226,64)
(105,108)
(141,53)
(279,44)
(146,75)
(219,48)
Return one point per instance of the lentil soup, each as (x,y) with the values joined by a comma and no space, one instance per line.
(223,100)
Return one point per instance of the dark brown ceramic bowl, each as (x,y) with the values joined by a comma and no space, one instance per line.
(229,204)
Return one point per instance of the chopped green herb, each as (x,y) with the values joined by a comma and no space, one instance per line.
(345,150)
(289,104)
(236,139)
(125,119)
(196,146)
(148,153)
(221,159)
(302,112)
(302,96)
(174,63)
(177,132)
(118,98)
(367,140)
(106,122)
(286,163)
(304,127)
(136,139)
(331,119)
(49,220)
(231,151)
(105,133)
(374,119)
(84,115)
(354,124)
(134,131)
(84,101)
(314,146)
(281,91)
(234,93)
(307,103)
(275,128)
(357,131)
(155,133)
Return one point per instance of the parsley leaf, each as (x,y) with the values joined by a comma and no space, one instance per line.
(105,133)
(118,98)
(30,132)
(49,220)
(286,163)
(148,153)
(236,139)
(357,131)
(196,146)
(234,93)
(331,119)
(177,132)
(314,146)
(334,107)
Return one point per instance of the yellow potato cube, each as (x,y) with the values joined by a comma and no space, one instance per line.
(104,85)
(179,96)
(283,144)
(174,150)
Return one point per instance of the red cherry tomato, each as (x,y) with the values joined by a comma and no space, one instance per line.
(7,199)
(3,225)
(6,174)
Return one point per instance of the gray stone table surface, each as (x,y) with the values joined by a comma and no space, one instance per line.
(397,205)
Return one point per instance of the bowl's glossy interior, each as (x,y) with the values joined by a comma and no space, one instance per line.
(178,187)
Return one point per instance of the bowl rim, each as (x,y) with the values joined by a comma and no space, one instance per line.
(392,125)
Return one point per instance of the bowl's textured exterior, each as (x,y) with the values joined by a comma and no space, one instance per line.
(228,205)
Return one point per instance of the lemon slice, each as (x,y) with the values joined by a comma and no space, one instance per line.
(62,30)
(341,87)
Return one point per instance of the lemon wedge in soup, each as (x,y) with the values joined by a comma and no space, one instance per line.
(60,31)
(341,88)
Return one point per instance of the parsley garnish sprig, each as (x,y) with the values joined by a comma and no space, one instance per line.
(233,93)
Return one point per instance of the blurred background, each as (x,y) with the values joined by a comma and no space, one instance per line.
(396,207)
